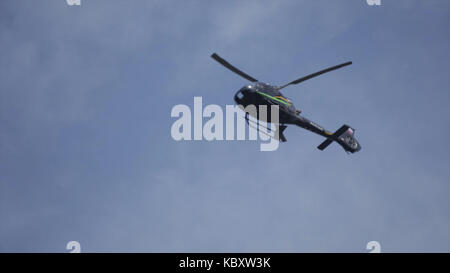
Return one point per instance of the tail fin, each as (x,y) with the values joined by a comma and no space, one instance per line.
(345,137)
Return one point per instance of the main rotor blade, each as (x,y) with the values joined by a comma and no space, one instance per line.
(232,68)
(315,74)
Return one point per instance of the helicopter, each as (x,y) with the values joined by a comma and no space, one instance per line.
(258,93)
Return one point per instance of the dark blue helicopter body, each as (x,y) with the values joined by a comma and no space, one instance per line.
(257,93)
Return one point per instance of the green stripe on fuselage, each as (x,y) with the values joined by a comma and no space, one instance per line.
(276,99)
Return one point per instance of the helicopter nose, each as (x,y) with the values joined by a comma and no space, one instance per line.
(243,93)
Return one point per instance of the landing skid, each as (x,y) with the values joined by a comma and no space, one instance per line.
(256,125)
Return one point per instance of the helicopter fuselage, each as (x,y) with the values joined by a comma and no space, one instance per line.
(258,93)
(263,94)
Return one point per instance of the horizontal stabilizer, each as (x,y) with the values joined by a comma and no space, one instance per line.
(340,131)
(333,137)
(324,144)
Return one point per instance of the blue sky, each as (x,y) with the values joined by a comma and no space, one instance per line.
(86,152)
